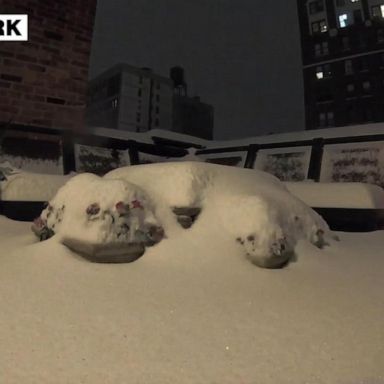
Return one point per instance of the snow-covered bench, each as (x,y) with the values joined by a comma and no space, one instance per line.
(345,206)
(24,194)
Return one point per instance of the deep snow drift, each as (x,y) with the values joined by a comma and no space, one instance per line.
(136,204)
(191,310)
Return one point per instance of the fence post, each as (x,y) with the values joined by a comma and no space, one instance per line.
(251,156)
(316,159)
(133,152)
(69,161)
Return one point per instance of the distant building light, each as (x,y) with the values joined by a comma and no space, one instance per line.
(354,1)
(320,74)
(323,27)
(343,20)
(378,11)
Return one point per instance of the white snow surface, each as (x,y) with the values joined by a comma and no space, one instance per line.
(338,195)
(244,203)
(26,186)
(191,310)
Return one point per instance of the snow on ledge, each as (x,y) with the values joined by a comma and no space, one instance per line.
(338,195)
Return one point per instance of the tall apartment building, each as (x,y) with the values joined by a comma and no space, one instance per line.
(43,81)
(343,61)
(130,98)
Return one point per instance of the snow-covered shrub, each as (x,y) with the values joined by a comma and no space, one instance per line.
(91,210)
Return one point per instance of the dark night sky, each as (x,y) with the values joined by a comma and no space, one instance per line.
(241,56)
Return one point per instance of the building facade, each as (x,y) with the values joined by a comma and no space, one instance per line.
(43,81)
(192,117)
(343,61)
(129,98)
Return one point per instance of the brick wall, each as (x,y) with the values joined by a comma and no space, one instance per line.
(43,81)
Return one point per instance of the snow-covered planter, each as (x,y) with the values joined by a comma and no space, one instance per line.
(104,220)
(130,208)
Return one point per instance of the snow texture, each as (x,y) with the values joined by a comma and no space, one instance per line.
(338,195)
(53,167)
(192,310)
(18,185)
(250,206)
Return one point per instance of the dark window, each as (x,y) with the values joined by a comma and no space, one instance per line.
(138,117)
(158,86)
(141,79)
(363,64)
(348,67)
(345,42)
(113,85)
(368,114)
(157,122)
(357,15)
(324,95)
(139,92)
(325,48)
(380,35)
(350,88)
(366,86)
(326,119)
(316,6)
(351,114)
(157,110)
(340,3)
(157,97)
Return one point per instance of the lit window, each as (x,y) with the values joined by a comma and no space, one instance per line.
(343,20)
(114,103)
(354,1)
(319,26)
(319,73)
(378,11)
(323,26)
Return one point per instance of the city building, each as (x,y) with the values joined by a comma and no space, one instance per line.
(129,98)
(343,61)
(192,117)
(43,81)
